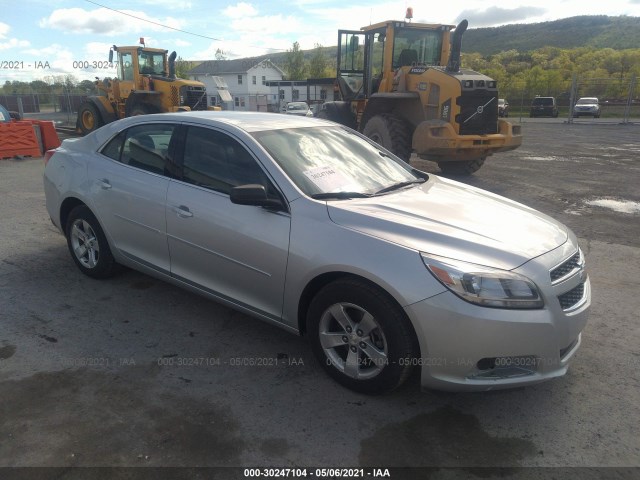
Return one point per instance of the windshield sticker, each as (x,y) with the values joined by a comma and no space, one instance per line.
(2,119)
(327,179)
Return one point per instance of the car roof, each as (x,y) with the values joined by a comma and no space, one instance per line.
(245,121)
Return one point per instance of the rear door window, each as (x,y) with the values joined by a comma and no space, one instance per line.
(143,146)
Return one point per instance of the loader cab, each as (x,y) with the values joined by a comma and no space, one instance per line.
(369,59)
(135,62)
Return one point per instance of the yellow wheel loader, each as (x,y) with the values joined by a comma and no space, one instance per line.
(401,85)
(146,83)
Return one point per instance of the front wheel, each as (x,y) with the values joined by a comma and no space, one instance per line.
(391,132)
(89,118)
(462,168)
(142,109)
(361,337)
(88,245)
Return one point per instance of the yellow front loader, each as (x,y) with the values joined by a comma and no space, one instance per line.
(146,82)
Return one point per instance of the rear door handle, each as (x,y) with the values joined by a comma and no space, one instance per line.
(104,184)
(182,211)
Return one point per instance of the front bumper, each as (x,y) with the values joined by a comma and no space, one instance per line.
(586,112)
(437,140)
(465,347)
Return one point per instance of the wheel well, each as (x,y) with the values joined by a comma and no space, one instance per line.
(407,109)
(65,209)
(318,283)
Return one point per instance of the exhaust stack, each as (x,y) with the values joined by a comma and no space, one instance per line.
(172,65)
(456,45)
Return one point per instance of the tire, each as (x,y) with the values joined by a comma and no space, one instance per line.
(391,132)
(377,356)
(89,118)
(141,109)
(462,168)
(88,245)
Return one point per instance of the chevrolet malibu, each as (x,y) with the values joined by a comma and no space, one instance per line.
(312,227)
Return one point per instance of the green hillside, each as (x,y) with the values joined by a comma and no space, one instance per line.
(584,31)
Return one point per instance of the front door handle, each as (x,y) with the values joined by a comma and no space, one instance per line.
(182,211)
(104,184)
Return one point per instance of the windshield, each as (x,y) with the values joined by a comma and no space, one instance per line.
(587,101)
(543,101)
(417,46)
(334,160)
(297,106)
(151,63)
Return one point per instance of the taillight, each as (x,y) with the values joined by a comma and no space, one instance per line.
(48,154)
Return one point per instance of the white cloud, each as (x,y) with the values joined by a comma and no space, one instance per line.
(97,50)
(105,21)
(180,43)
(4,29)
(499,16)
(10,43)
(268,25)
(247,46)
(13,43)
(240,10)
(170,4)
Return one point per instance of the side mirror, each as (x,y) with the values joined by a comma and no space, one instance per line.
(110,56)
(253,194)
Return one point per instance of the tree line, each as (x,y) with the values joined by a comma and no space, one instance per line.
(546,71)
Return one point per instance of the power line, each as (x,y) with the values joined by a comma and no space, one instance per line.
(151,21)
(170,28)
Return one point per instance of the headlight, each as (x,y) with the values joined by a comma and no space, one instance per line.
(485,286)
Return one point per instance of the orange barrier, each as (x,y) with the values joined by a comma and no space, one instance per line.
(48,134)
(19,138)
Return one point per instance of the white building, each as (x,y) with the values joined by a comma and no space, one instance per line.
(247,80)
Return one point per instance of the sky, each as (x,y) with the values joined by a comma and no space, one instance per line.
(41,39)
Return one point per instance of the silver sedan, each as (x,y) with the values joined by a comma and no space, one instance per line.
(314,228)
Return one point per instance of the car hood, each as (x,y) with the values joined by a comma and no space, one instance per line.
(454,220)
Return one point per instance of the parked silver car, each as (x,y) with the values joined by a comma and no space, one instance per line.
(298,108)
(312,227)
(587,106)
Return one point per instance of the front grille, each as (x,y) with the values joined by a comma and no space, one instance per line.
(196,99)
(572,297)
(175,100)
(478,112)
(565,268)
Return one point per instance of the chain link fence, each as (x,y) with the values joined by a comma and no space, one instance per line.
(619,98)
(61,107)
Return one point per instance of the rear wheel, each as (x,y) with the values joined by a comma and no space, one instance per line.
(462,168)
(89,118)
(391,132)
(361,337)
(88,245)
